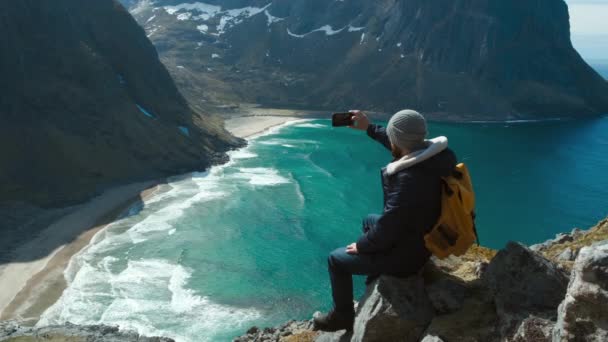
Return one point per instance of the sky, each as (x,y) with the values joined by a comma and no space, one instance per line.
(589,28)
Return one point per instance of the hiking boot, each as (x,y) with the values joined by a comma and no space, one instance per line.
(333,321)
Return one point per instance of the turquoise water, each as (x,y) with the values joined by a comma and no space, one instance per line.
(601,67)
(246,243)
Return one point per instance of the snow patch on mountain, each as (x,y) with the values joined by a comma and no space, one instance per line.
(184,16)
(206,11)
(329,31)
(272,19)
(228,18)
(352,28)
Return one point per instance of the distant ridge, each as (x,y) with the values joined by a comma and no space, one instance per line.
(490,59)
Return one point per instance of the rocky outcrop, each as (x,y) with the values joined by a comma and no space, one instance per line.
(393,309)
(524,283)
(489,59)
(86,104)
(534,329)
(285,332)
(583,315)
(564,248)
(13,332)
(513,295)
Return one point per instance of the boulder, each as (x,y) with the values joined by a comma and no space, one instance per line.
(298,330)
(338,336)
(583,314)
(393,309)
(523,283)
(566,255)
(447,294)
(534,329)
(476,320)
(13,331)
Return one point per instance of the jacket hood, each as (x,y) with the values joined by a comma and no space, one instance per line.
(436,158)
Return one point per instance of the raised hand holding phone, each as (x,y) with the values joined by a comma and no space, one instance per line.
(342,119)
(359,121)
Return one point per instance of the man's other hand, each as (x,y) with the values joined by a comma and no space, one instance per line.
(360,120)
(352,249)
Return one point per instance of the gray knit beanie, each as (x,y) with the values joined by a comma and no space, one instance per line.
(407,129)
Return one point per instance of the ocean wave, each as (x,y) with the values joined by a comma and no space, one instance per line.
(261,176)
(311,125)
(162,220)
(318,167)
(518,121)
(241,154)
(146,294)
(287,142)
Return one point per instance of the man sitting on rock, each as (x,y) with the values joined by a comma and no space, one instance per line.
(392,243)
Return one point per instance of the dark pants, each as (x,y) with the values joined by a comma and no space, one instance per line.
(342,266)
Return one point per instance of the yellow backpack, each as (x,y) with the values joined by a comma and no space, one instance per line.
(455,230)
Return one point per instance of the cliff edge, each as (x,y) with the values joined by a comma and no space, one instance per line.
(86,104)
(555,291)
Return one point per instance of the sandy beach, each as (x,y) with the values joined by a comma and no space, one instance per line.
(28,288)
(250,126)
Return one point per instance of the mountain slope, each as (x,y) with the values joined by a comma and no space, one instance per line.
(85,103)
(469,59)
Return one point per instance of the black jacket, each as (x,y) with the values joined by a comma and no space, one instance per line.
(412,205)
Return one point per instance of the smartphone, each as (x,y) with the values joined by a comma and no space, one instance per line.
(342,119)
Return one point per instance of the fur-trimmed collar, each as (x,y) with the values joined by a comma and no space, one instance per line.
(434,147)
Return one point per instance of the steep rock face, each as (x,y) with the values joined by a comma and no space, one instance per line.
(583,315)
(467,59)
(86,103)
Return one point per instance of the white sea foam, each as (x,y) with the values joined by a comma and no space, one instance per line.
(241,154)
(287,142)
(196,191)
(299,193)
(311,125)
(141,297)
(108,287)
(518,121)
(319,168)
(261,176)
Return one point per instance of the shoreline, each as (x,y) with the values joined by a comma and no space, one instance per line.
(251,126)
(31,287)
(256,111)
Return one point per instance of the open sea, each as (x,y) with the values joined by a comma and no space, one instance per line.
(246,243)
